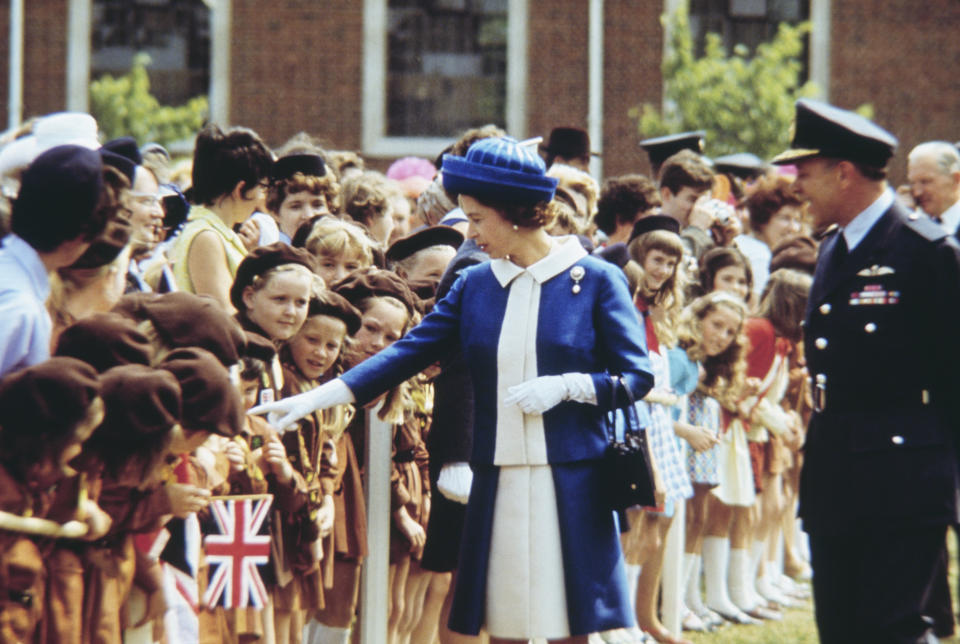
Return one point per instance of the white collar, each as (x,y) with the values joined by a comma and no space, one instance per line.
(950,218)
(859,226)
(28,258)
(564,254)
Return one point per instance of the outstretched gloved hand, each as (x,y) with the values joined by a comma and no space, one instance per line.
(292,409)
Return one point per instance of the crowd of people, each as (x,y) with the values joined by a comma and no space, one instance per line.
(149,304)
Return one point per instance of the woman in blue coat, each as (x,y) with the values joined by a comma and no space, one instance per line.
(542,326)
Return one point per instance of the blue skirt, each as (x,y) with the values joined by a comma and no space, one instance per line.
(593,565)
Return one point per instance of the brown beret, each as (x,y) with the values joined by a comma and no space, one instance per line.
(211,402)
(48,399)
(371,282)
(424,238)
(798,252)
(107,246)
(259,347)
(105,340)
(262,259)
(187,320)
(141,404)
(426,292)
(336,306)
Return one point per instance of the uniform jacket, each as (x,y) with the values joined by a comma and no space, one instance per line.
(883,353)
(584,320)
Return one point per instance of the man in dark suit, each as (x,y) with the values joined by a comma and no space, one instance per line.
(879,483)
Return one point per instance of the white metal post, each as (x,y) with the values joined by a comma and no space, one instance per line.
(15,84)
(376,566)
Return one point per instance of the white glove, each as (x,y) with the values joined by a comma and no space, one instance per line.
(292,409)
(546,392)
(455,480)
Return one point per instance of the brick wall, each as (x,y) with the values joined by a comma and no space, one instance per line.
(557,66)
(44,56)
(902,57)
(633,51)
(296,65)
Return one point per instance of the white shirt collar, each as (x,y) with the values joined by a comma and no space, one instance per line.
(564,254)
(950,218)
(857,229)
(30,260)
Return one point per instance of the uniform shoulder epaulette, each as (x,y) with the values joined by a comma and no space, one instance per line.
(925,227)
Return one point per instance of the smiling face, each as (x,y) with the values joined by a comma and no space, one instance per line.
(317,345)
(720,327)
(658,267)
(732,279)
(784,223)
(818,183)
(297,208)
(279,307)
(333,267)
(933,189)
(146,213)
(381,325)
(493,233)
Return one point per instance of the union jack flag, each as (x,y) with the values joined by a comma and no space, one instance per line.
(237,545)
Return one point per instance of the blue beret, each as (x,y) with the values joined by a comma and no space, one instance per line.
(499,169)
(126,167)
(125,146)
(822,130)
(64,178)
(308,164)
(650,223)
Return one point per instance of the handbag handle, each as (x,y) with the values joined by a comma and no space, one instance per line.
(629,411)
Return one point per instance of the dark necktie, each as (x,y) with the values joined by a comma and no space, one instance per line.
(839,253)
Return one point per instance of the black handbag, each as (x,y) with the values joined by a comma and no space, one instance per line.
(627,461)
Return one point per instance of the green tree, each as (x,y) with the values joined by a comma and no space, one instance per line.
(124,106)
(744,102)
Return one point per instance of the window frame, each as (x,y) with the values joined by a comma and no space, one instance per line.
(374,139)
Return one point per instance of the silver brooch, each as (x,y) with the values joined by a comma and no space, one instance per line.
(576,274)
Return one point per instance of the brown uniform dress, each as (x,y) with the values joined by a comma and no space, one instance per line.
(312,452)
(110,563)
(62,621)
(21,563)
(409,480)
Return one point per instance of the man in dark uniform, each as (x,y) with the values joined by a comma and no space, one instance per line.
(879,482)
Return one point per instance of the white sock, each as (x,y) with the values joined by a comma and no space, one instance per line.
(692,564)
(737,579)
(716,553)
(323,634)
(633,581)
(757,551)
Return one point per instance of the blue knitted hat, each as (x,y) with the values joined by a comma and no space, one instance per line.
(499,169)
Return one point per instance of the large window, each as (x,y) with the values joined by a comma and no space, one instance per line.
(446,65)
(175,33)
(748,22)
(434,68)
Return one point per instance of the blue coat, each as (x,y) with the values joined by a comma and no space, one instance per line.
(594,331)
(586,323)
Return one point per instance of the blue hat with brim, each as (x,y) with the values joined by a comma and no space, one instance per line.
(500,170)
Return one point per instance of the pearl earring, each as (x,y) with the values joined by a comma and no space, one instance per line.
(516,227)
